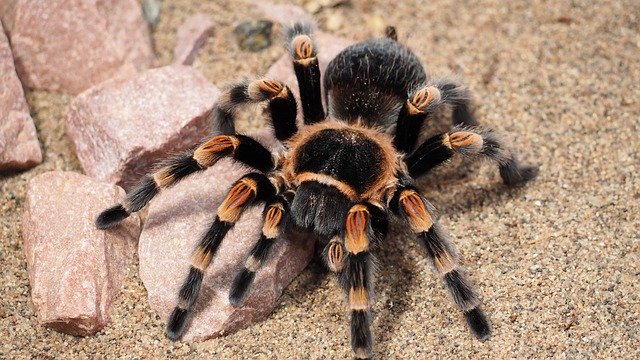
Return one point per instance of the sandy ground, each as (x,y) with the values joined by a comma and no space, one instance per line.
(556,262)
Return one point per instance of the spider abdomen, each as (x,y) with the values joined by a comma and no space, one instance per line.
(370,81)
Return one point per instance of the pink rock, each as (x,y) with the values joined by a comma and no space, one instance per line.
(192,35)
(69,45)
(19,147)
(328,46)
(283,14)
(75,270)
(122,126)
(177,219)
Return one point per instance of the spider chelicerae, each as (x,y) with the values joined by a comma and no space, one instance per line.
(341,174)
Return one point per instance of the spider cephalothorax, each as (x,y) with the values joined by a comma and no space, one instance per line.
(339,174)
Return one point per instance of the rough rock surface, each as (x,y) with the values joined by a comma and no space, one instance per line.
(75,270)
(177,219)
(19,147)
(69,45)
(192,34)
(282,69)
(122,126)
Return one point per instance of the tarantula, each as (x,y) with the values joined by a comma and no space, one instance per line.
(340,174)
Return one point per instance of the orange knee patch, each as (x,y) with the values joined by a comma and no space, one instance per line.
(444,262)
(272,219)
(200,259)
(163,178)
(335,256)
(240,194)
(211,151)
(464,141)
(252,263)
(356,240)
(422,99)
(303,47)
(417,215)
(358,298)
(265,89)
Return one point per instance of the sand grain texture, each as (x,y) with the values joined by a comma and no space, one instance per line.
(556,262)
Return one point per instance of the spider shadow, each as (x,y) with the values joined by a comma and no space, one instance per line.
(398,270)
(449,189)
(309,280)
(395,277)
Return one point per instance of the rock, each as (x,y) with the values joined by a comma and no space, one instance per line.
(328,47)
(75,270)
(19,147)
(192,35)
(254,35)
(177,218)
(122,126)
(69,45)
(285,15)
(151,11)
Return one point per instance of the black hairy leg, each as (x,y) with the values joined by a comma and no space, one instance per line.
(239,147)
(364,227)
(307,69)
(282,106)
(423,102)
(249,190)
(469,142)
(273,220)
(412,116)
(459,98)
(418,215)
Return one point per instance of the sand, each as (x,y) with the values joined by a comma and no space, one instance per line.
(556,262)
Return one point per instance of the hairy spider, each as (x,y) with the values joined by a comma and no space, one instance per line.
(339,175)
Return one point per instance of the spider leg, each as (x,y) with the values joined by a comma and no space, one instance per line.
(248,190)
(282,106)
(239,147)
(353,262)
(275,211)
(469,142)
(418,214)
(423,102)
(333,254)
(459,97)
(307,69)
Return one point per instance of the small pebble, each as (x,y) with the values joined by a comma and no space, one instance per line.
(597,201)
(151,10)
(254,35)
(335,21)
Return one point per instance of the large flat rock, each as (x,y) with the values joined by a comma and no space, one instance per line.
(19,147)
(70,45)
(75,270)
(192,34)
(178,217)
(122,126)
